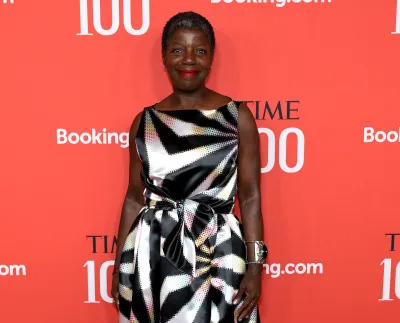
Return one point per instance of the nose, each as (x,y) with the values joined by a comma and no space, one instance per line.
(188,57)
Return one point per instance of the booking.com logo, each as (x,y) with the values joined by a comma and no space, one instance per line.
(92,137)
(274,270)
(12,270)
(370,135)
(278,3)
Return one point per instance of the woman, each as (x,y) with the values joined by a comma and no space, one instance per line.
(181,253)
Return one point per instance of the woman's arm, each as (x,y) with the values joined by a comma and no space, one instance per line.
(133,201)
(250,204)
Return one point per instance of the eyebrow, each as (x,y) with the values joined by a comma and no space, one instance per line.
(176,43)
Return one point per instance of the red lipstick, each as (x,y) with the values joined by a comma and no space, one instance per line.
(188,73)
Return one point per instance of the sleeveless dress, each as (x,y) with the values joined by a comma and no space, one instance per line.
(184,257)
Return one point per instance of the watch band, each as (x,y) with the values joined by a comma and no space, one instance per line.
(260,252)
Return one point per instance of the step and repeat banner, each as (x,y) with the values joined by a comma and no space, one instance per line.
(322,80)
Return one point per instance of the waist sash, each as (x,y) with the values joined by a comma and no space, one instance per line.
(193,237)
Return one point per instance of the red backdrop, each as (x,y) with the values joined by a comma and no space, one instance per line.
(328,69)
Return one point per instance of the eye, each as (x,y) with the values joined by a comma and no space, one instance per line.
(176,50)
(202,51)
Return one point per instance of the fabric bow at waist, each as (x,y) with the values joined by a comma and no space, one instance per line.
(190,244)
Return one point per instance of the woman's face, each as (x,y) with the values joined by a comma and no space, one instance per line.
(188,59)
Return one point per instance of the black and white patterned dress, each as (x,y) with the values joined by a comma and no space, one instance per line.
(184,256)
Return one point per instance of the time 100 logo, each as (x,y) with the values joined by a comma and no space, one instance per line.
(390,268)
(282,149)
(97,276)
(115,18)
(105,287)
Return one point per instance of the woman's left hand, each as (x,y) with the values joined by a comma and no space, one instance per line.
(251,287)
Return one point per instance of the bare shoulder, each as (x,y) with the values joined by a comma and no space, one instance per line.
(135,124)
(134,128)
(246,121)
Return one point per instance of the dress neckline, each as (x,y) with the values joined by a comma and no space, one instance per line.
(195,109)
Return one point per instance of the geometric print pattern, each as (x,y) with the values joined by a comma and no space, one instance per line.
(184,257)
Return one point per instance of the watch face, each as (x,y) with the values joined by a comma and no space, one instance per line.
(265,251)
(262,251)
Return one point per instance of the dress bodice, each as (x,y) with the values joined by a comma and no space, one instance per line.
(191,152)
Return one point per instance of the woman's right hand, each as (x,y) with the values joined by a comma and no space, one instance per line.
(115,289)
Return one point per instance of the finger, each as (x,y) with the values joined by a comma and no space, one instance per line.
(116,299)
(246,307)
(115,296)
(238,296)
(246,312)
(242,306)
